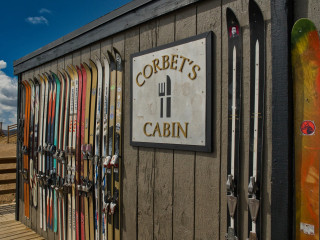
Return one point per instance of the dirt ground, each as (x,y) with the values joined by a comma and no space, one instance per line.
(7,150)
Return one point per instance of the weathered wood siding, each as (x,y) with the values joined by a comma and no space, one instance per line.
(169,194)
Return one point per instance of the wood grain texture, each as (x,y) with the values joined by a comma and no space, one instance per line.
(207,167)
(281,189)
(163,188)
(184,162)
(130,154)
(146,158)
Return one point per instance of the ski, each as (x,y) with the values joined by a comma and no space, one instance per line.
(44,147)
(90,146)
(69,152)
(36,142)
(305,53)
(234,115)
(51,172)
(73,149)
(40,147)
(78,151)
(107,162)
(104,143)
(82,135)
(25,150)
(257,83)
(63,157)
(54,148)
(31,137)
(59,175)
(116,158)
(85,183)
(71,155)
(97,153)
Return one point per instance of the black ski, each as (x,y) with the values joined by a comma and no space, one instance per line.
(257,83)
(234,114)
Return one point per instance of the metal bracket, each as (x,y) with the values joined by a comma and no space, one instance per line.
(253,208)
(231,234)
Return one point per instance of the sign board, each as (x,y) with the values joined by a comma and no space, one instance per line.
(171,95)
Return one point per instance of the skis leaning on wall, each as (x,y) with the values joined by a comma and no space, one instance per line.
(257,83)
(234,116)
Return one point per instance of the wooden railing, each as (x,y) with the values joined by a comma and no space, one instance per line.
(7,168)
(12,127)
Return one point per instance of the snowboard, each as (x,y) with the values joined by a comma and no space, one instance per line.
(234,115)
(257,83)
(305,52)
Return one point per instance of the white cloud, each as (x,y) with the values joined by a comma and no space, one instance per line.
(3,64)
(8,97)
(44,10)
(37,20)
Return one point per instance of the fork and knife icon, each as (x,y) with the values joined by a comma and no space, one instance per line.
(165,93)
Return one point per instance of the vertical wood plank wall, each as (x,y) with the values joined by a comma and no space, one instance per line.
(170,194)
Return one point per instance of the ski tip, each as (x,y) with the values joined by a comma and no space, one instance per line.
(97,59)
(232,24)
(111,61)
(70,71)
(105,59)
(255,13)
(301,28)
(41,78)
(118,59)
(92,63)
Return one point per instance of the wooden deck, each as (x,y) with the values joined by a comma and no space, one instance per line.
(12,229)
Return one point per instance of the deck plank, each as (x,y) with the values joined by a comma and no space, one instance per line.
(11,229)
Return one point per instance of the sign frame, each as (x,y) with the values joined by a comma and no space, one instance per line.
(207,147)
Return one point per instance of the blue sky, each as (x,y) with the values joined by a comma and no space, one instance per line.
(28,25)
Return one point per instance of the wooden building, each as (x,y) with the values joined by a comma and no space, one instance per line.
(176,194)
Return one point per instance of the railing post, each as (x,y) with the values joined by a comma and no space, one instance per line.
(8,133)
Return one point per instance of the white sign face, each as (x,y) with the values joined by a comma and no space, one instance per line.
(170,89)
